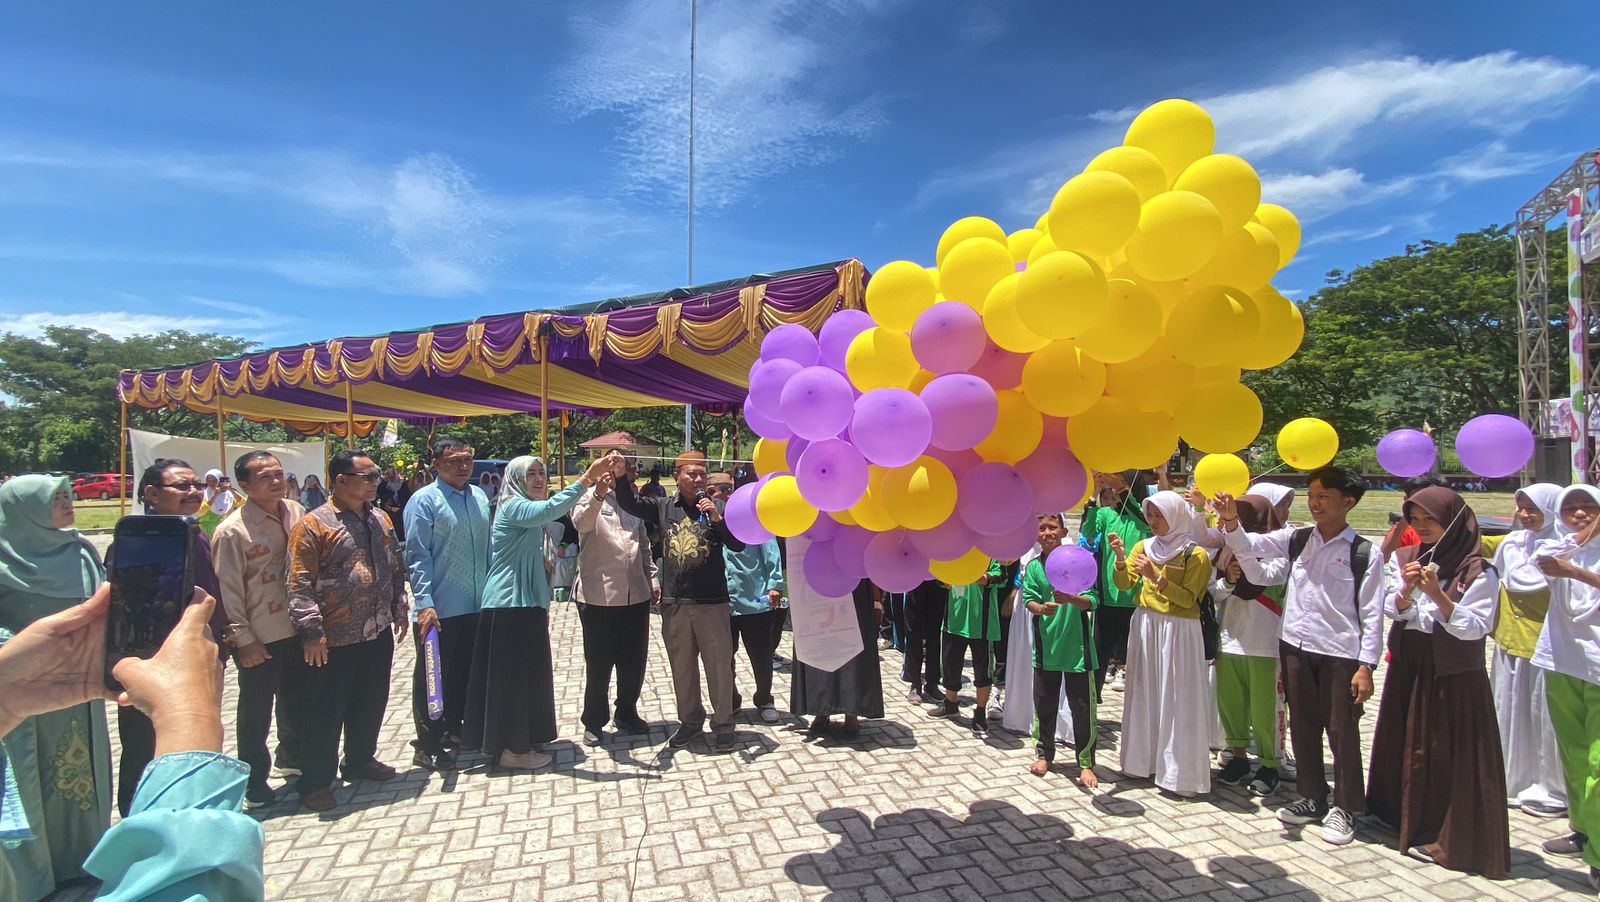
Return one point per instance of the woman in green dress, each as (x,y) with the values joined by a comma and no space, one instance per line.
(62,760)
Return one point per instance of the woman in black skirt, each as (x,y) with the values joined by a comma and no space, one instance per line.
(856,688)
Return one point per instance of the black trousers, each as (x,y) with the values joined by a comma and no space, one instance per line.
(955,652)
(614,638)
(456,638)
(348,695)
(924,620)
(780,619)
(260,693)
(756,631)
(138,737)
(1317,690)
(1047,707)
(1000,646)
(1110,640)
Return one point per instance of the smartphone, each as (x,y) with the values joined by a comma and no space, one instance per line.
(152,581)
(1393,518)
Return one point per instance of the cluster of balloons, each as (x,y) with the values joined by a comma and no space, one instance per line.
(1305,444)
(1491,446)
(920,437)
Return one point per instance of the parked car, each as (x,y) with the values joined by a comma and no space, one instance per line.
(103,486)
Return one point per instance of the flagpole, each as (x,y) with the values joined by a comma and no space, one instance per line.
(688,409)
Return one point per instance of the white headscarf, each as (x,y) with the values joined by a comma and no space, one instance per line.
(1279,496)
(515,483)
(210,475)
(1179,515)
(1518,572)
(1565,542)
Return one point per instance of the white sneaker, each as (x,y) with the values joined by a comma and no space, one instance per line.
(533,760)
(1120,684)
(769,714)
(286,773)
(1338,828)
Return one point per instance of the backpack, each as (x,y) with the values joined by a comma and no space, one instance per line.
(1360,559)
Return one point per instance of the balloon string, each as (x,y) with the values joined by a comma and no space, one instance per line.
(1448,527)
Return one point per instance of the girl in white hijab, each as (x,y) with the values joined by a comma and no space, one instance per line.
(1534,781)
(1167,710)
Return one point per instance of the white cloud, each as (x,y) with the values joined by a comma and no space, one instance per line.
(1340,236)
(1314,196)
(1496,160)
(254,321)
(762,91)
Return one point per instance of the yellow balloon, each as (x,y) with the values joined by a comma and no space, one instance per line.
(1135,164)
(843,517)
(1219,473)
(1021,241)
(964,228)
(1004,324)
(1284,227)
(1094,213)
(973,267)
(933,273)
(1100,438)
(770,456)
(880,358)
(1150,382)
(1160,439)
(920,380)
(1178,232)
(1219,417)
(1222,372)
(1060,380)
(1041,224)
(1088,492)
(1248,257)
(1045,245)
(1308,443)
(920,495)
(1177,132)
(1228,182)
(1213,325)
(1017,432)
(870,512)
(963,571)
(1282,329)
(781,510)
(1132,324)
(898,293)
(1062,294)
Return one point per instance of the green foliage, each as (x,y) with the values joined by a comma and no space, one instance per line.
(74,445)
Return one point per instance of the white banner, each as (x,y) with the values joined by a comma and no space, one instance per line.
(301,458)
(826,635)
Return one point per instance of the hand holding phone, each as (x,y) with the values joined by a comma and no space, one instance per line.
(152,582)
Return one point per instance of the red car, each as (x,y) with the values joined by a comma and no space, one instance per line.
(104,486)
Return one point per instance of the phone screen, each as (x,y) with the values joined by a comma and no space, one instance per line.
(151,583)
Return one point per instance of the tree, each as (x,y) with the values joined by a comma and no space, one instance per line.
(1426,336)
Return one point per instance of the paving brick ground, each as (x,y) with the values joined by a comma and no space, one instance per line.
(915,808)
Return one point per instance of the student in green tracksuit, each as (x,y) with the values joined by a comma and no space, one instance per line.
(1121,515)
(1062,654)
(971,622)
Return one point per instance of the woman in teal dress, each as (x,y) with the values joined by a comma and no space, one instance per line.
(62,760)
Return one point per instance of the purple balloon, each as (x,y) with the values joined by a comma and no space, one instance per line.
(792,451)
(893,563)
(1407,452)
(850,550)
(823,530)
(831,475)
(1494,445)
(1009,546)
(817,403)
(763,425)
(840,329)
(945,542)
(740,512)
(767,380)
(999,367)
(824,575)
(964,410)
(994,498)
(960,462)
(891,427)
(1071,569)
(948,338)
(790,342)
(1057,478)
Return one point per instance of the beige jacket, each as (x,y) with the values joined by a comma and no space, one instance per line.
(614,564)
(251,551)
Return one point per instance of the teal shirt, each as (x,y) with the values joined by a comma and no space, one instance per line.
(447,549)
(185,837)
(1131,527)
(752,572)
(972,612)
(517,578)
(1060,640)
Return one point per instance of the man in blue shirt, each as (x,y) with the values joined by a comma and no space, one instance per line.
(447,554)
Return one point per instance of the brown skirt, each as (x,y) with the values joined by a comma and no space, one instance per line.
(1437,771)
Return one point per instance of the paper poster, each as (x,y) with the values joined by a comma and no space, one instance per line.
(826,635)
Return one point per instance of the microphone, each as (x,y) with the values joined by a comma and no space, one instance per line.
(699,497)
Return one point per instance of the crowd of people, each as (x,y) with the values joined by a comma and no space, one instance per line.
(1240,644)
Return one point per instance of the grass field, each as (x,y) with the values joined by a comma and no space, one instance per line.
(99,514)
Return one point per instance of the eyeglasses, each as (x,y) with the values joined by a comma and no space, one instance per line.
(457,462)
(184,486)
(369,477)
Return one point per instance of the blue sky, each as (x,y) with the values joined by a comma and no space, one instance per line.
(296,171)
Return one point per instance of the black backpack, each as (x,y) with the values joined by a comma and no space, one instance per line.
(1360,559)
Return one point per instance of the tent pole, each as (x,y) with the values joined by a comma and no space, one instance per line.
(222,437)
(544,397)
(561,458)
(122,466)
(688,410)
(349,415)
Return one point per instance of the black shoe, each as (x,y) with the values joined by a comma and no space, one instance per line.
(738,702)
(631,726)
(1569,846)
(944,708)
(437,761)
(932,696)
(980,722)
(259,796)
(723,743)
(685,735)
(1265,782)
(1235,772)
(819,725)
